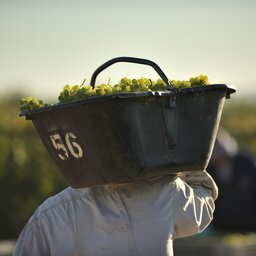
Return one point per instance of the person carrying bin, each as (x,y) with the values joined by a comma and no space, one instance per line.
(141,218)
(138,187)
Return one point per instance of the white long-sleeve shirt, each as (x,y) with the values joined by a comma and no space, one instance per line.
(126,220)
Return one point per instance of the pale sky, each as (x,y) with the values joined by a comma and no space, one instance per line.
(47,44)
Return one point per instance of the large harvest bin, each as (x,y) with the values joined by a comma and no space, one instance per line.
(131,136)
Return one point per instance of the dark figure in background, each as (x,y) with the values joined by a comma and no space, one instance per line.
(234,171)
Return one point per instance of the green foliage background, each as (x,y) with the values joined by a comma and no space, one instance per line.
(239,118)
(28,176)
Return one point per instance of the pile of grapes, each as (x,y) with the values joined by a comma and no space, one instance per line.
(126,85)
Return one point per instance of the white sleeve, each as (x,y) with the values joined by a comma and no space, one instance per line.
(28,244)
(194,203)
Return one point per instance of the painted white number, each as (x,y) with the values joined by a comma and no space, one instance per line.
(59,146)
(72,146)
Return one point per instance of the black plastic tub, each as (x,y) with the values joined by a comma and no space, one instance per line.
(130,136)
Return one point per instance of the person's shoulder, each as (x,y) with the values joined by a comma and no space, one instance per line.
(56,202)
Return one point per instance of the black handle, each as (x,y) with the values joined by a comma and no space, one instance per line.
(132,60)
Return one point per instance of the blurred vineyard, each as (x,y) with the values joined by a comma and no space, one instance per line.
(28,175)
(239,118)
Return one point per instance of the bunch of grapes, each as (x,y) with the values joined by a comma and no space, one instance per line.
(30,103)
(199,80)
(68,93)
(134,85)
(159,85)
(125,85)
(181,84)
(72,93)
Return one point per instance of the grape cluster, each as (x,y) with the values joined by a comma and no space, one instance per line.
(193,81)
(76,92)
(199,80)
(30,103)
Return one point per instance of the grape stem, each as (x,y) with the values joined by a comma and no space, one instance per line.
(83,82)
